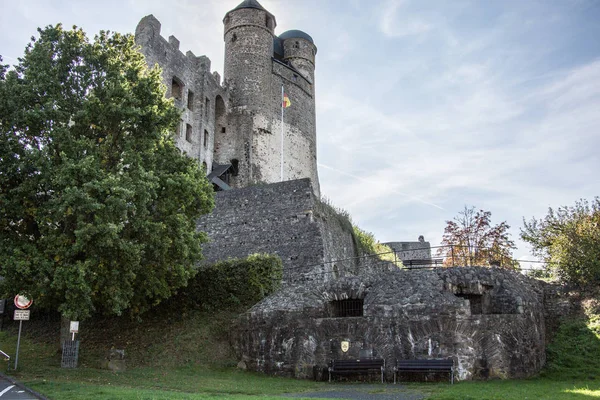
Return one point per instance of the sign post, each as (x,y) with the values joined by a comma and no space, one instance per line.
(74,328)
(22,314)
(70,349)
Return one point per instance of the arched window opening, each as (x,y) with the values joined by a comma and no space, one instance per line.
(176,88)
(190,100)
(188,133)
(206,107)
(234,167)
(222,146)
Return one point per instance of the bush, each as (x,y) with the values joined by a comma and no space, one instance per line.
(573,353)
(367,244)
(234,283)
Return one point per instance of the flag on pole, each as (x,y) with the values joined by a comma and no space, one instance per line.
(286,101)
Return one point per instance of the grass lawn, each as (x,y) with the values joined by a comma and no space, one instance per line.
(532,389)
(152,383)
(188,358)
(206,383)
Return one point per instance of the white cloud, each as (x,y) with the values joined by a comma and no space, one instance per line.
(394,24)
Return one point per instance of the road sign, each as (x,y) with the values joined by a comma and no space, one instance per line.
(22,302)
(74,327)
(21,315)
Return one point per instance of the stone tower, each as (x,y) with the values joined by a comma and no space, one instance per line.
(248,36)
(257,65)
(235,128)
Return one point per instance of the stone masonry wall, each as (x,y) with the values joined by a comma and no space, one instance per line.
(285,219)
(411,250)
(274,219)
(199,88)
(490,321)
(239,122)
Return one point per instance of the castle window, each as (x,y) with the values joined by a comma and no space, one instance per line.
(205,138)
(206,106)
(188,133)
(297,45)
(235,169)
(176,88)
(475,302)
(347,308)
(233,38)
(222,129)
(205,166)
(190,102)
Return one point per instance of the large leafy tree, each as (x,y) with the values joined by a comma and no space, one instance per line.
(97,205)
(568,240)
(471,240)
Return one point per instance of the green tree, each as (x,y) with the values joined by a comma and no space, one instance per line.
(97,205)
(568,240)
(471,240)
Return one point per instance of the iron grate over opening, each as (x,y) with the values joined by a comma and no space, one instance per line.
(348,308)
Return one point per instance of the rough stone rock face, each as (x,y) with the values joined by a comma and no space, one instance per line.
(491,321)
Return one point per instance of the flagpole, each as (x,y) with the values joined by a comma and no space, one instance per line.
(282,132)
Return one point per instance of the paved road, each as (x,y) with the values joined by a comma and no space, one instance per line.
(363,392)
(10,390)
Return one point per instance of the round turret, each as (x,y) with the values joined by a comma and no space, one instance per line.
(300,50)
(248,51)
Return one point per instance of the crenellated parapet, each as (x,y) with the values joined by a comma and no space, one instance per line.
(193,88)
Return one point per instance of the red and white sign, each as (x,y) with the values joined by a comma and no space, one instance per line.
(22,302)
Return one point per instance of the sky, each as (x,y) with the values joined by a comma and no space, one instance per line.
(423,107)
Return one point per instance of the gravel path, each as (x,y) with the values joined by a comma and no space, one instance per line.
(363,392)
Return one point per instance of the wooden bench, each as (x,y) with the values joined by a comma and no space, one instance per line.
(362,366)
(439,365)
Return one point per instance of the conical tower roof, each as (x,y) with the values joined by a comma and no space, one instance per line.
(250,4)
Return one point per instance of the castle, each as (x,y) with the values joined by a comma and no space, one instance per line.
(238,129)
(492,322)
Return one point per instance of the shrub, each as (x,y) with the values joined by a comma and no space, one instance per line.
(234,283)
(573,353)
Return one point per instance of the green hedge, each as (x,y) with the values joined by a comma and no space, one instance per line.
(234,283)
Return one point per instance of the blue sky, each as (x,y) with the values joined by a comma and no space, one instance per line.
(422,106)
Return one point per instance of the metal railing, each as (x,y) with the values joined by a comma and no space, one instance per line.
(6,358)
